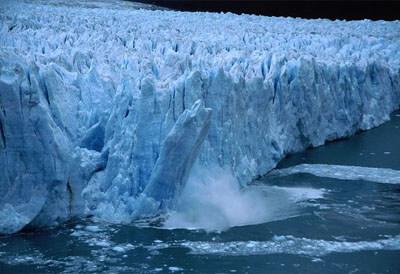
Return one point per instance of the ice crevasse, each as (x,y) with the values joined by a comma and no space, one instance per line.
(105,110)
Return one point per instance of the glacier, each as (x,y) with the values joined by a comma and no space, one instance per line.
(106,106)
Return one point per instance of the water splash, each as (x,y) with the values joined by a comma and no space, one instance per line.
(213,200)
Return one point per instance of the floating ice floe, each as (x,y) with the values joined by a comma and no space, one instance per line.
(285,245)
(378,175)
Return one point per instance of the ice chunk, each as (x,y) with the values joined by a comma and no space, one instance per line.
(92,228)
(175,268)
(178,153)
(119,249)
(177,156)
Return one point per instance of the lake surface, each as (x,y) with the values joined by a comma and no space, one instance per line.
(306,224)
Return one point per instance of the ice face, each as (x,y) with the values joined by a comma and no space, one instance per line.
(178,154)
(35,152)
(95,107)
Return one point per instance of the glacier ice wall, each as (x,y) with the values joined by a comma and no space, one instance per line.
(94,99)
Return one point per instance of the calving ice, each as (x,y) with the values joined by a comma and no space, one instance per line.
(105,111)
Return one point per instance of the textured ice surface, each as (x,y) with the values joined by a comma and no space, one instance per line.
(378,175)
(90,92)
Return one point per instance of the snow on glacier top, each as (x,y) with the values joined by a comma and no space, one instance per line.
(116,35)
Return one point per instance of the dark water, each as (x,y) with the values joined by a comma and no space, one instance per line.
(324,226)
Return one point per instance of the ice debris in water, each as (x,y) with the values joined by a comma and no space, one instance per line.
(378,175)
(92,228)
(175,268)
(97,107)
(118,249)
(285,245)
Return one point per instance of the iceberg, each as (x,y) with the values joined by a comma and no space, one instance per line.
(104,112)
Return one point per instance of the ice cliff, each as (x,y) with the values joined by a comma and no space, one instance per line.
(104,109)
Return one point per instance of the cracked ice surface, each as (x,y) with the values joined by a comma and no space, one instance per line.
(89,92)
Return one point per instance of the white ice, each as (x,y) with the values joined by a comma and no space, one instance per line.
(285,245)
